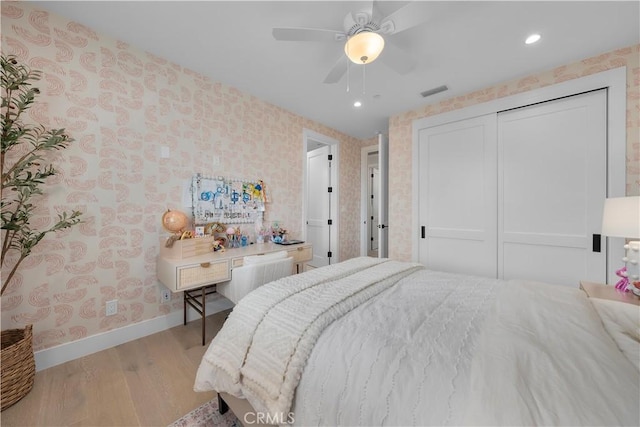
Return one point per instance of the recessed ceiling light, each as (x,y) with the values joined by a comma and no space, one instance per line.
(532,38)
(357,104)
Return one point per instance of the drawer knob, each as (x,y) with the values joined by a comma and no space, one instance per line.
(300,248)
(205,265)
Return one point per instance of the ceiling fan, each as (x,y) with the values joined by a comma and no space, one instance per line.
(364,35)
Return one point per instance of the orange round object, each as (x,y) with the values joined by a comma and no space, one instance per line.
(174,221)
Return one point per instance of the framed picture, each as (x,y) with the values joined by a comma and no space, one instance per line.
(226,200)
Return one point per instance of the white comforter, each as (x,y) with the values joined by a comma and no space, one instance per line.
(261,353)
(544,358)
(442,349)
(402,358)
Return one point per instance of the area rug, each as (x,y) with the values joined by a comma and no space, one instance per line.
(207,415)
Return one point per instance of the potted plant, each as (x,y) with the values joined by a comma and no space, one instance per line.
(23,170)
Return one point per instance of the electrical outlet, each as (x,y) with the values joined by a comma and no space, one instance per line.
(111,307)
(165,295)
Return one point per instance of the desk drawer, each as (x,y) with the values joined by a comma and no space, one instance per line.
(237,262)
(301,254)
(193,276)
(184,249)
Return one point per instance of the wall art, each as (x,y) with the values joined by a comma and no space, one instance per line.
(226,200)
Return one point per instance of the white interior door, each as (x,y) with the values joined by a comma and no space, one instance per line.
(458,196)
(369,158)
(318,205)
(552,184)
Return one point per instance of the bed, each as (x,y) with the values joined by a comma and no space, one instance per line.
(380,342)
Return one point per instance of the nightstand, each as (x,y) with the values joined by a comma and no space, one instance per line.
(598,290)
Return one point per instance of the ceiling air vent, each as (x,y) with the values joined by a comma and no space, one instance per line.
(434,91)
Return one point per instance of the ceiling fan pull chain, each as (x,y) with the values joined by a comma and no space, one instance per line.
(363,78)
(348,68)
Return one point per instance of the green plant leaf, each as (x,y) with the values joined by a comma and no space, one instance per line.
(23,178)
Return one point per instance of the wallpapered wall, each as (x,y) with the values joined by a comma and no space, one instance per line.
(400,132)
(121,105)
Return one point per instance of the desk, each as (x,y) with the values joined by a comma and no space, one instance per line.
(195,275)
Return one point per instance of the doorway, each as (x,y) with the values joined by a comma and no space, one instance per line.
(373,194)
(320,198)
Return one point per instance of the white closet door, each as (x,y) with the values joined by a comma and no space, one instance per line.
(551,189)
(458,196)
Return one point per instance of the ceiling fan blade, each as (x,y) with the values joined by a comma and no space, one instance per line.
(338,70)
(349,21)
(307,34)
(411,15)
(376,14)
(397,59)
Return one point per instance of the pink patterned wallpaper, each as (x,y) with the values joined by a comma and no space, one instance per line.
(400,131)
(121,105)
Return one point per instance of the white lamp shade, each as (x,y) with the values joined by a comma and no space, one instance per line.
(621,217)
(364,47)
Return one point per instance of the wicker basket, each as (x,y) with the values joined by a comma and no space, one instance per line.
(18,365)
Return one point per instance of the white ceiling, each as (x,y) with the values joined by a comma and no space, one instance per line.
(464,45)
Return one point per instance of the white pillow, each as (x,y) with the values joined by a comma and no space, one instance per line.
(622,322)
(259,259)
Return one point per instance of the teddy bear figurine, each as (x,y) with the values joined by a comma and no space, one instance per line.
(218,244)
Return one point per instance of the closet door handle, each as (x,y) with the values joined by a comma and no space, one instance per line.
(596,242)
(423,232)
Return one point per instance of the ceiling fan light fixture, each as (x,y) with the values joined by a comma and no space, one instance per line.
(364,47)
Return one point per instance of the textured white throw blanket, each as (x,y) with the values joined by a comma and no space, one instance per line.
(262,349)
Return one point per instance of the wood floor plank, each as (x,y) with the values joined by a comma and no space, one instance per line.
(145,382)
(27,411)
(66,392)
(163,376)
(108,401)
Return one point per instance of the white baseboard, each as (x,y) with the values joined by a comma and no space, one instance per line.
(83,347)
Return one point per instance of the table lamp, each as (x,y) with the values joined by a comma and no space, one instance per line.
(621,218)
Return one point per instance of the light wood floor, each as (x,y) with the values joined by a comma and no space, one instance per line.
(146,382)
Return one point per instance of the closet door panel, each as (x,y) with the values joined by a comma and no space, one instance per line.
(551,187)
(457,193)
(543,263)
